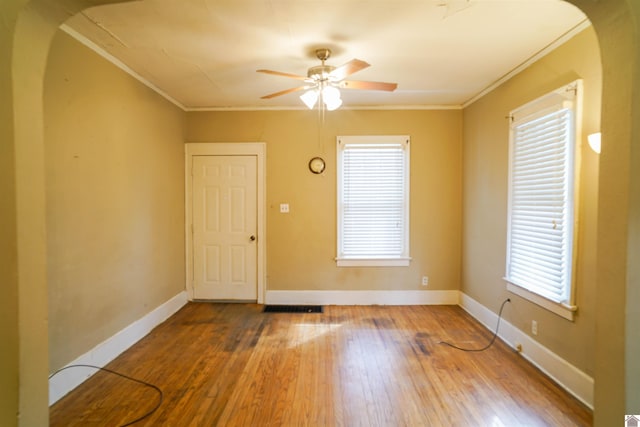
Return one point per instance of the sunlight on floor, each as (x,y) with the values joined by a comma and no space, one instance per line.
(305,332)
(495,422)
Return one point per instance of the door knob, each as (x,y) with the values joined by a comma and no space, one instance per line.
(252,238)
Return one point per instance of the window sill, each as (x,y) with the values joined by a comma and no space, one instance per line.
(369,262)
(563,310)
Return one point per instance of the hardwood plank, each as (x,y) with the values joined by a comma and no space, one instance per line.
(232,365)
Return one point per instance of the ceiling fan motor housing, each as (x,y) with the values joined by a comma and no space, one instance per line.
(320,72)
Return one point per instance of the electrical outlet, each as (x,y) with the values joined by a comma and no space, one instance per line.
(534,327)
(425,281)
(284,207)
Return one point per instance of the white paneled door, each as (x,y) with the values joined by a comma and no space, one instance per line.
(224,227)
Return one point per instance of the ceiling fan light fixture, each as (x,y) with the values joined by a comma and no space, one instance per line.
(310,98)
(330,94)
(334,105)
(331,97)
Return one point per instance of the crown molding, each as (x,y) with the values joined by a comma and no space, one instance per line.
(532,59)
(121,65)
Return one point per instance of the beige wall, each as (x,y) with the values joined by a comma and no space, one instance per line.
(485,169)
(8,239)
(115,199)
(301,245)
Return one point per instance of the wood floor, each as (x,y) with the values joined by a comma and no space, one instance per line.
(232,365)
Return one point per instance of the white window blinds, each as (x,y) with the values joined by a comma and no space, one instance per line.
(373,198)
(541,199)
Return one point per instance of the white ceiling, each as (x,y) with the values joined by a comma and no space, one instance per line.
(203,54)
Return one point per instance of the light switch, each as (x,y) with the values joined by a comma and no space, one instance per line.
(284,207)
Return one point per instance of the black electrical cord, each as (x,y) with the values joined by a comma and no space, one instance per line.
(492,339)
(156,388)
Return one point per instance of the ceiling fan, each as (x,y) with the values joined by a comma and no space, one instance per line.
(325,81)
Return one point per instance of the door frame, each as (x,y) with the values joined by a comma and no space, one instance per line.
(257,149)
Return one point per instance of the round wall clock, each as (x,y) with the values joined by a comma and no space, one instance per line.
(316,165)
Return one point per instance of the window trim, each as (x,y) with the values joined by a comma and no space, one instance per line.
(403,260)
(567,95)
(561,309)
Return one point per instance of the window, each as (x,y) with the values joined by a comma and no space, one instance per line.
(373,201)
(540,243)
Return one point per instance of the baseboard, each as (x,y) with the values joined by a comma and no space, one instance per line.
(562,372)
(363,297)
(109,349)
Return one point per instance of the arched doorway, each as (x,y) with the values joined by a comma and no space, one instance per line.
(619,248)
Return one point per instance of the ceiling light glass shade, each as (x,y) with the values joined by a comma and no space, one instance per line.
(330,94)
(331,97)
(310,98)
(333,104)
(595,141)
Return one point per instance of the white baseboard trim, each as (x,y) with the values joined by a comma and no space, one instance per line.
(363,297)
(562,372)
(109,349)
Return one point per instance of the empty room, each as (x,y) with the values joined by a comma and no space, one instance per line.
(320,213)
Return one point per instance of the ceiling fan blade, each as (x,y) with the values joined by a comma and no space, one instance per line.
(355,84)
(283,92)
(347,69)
(279,73)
